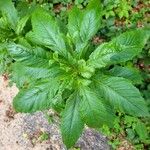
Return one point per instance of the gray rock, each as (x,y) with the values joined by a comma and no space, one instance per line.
(90,139)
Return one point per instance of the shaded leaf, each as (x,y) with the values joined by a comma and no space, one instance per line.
(141,130)
(31,64)
(9,12)
(92,109)
(21,24)
(120,49)
(122,95)
(37,97)
(46,32)
(72,125)
(83,25)
(127,72)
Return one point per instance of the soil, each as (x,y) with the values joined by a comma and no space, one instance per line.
(23,131)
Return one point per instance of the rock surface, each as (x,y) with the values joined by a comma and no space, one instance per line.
(23,131)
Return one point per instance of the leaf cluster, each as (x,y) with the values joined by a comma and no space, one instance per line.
(61,70)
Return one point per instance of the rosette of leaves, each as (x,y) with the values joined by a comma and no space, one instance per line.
(64,72)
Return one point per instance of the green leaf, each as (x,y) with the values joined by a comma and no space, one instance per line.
(31,64)
(5,31)
(127,72)
(59,100)
(120,49)
(25,11)
(74,22)
(130,133)
(3,24)
(121,94)
(21,24)
(37,97)
(101,57)
(83,25)
(22,74)
(141,130)
(93,110)
(72,125)
(130,44)
(5,59)
(19,75)
(24,50)
(9,12)
(35,62)
(46,32)
(91,20)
